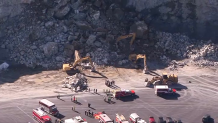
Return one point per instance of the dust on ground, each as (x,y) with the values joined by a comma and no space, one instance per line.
(27,83)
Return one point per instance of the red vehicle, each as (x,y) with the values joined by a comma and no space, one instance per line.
(48,107)
(41,116)
(151,120)
(123,93)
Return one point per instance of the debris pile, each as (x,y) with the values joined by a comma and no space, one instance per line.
(58,27)
(76,82)
(202,53)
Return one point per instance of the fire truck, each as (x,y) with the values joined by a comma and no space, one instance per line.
(48,107)
(103,118)
(164,89)
(134,118)
(41,116)
(123,93)
(121,119)
(77,119)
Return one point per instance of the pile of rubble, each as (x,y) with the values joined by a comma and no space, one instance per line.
(202,53)
(47,32)
(76,82)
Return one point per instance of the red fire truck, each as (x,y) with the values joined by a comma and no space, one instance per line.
(41,116)
(123,93)
(48,107)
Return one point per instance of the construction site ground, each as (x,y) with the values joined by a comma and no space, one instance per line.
(21,89)
(25,83)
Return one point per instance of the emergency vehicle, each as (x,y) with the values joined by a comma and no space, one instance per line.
(151,119)
(121,119)
(134,118)
(164,89)
(77,119)
(103,118)
(48,107)
(123,93)
(41,116)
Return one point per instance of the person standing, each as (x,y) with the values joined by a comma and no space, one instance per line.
(89,105)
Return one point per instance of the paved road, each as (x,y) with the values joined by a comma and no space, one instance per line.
(189,105)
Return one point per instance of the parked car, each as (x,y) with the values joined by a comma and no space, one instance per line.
(169,120)
(161,120)
(151,119)
(207,119)
(177,121)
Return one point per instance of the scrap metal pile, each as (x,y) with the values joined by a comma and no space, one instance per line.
(73,82)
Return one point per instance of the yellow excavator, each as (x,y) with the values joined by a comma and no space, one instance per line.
(78,60)
(135,57)
(165,79)
(133,35)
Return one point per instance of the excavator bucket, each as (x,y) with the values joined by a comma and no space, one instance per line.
(66,67)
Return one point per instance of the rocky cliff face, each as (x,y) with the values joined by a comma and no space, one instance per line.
(46,32)
(196,18)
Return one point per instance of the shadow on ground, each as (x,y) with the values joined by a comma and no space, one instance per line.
(98,73)
(139,66)
(174,96)
(178,87)
(60,116)
(129,98)
(14,72)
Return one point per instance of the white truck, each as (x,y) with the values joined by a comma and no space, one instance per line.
(163,89)
(134,118)
(77,119)
(121,119)
(48,107)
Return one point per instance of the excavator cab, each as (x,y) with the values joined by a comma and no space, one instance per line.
(78,60)
(135,57)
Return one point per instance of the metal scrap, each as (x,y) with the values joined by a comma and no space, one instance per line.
(73,82)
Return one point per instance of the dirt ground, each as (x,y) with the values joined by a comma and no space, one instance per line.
(26,83)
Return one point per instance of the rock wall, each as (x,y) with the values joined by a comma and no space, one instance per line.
(47,32)
(195,18)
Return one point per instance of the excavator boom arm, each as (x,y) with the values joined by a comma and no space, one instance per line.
(133,35)
(81,60)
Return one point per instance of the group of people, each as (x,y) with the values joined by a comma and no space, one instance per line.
(109,83)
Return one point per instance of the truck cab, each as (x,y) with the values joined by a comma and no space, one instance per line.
(48,107)
(163,89)
(123,93)
(40,116)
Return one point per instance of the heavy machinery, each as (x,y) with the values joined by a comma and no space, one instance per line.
(121,119)
(165,79)
(135,57)
(133,35)
(78,60)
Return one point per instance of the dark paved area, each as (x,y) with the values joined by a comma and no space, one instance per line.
(192,102)
(182,106)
